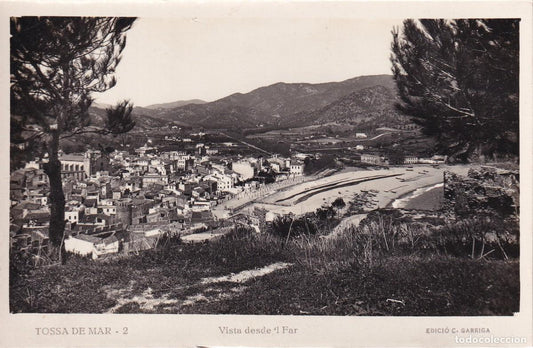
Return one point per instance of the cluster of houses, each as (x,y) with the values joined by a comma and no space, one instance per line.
(125,201)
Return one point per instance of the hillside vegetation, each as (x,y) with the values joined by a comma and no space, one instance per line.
(368,107)
(389,265)
(357,100)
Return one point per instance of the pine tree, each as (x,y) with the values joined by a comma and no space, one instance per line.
(459,80)
(56,64)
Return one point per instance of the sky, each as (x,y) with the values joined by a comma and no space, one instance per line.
(170,59)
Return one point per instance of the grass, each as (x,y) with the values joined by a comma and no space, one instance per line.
(394,286)
(386,266)
(81,285)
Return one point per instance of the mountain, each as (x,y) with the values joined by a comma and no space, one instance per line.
(371,106)
(175,104)
(101,105)
(285,99)
(365,101)
(271,105)
(143,121)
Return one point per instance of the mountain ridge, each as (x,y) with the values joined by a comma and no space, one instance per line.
(174,104)
(367,99)
(269,105)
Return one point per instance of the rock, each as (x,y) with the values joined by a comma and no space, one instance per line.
(482,191)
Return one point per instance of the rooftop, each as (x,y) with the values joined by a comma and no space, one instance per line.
(72,157)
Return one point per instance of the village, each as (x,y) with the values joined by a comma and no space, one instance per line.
(125,201)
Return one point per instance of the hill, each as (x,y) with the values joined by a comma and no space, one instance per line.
(276,104)
(365,101)
(371,107)
(175,104)
(143,119)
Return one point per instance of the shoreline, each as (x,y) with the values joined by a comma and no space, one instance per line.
(389,189)
(406,197)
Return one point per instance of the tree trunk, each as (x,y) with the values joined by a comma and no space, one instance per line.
(57,197)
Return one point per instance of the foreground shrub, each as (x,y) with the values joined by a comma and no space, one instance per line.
(479,237)
(289,226)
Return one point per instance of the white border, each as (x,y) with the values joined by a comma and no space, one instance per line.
(192,330)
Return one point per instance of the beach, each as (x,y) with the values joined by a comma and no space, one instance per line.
(387,184)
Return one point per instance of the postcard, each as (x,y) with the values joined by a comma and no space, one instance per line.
(267,174)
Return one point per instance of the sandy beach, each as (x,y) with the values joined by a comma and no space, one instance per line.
(389,184)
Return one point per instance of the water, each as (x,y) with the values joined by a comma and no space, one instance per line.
(402,201)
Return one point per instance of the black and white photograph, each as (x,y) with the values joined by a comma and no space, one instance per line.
(281,166)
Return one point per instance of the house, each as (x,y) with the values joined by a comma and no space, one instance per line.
(158,214)
(81,244)
(372,159)
(131,185)
(296,168)
(244,169)
(154,178)
(72,216)
(201,205)
(439,158)
(37,218)
(36,178)
(116,195)
(211,152)
(98,219)
(82,166)
(410,160)
(277,162)
(223,182)
(185,163)
(198,192)
(75,165)
(93,246)
(38,198)
(108,209)
(275,167)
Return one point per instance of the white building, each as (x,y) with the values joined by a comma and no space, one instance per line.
(372,159)
(410,160)
(154,178)
(77,166)
(296,168)
(32,164)
(87,245)
(201,206)
(211,152)
(275,167)
(244,169)
(224,181)
(109,210)
(277,163)
(72,216)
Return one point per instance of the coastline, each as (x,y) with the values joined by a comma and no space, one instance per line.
(403,200)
